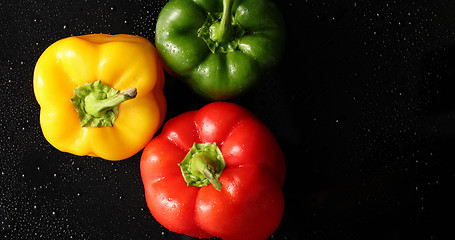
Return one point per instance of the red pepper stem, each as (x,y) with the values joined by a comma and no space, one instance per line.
(208,170)
(203,165)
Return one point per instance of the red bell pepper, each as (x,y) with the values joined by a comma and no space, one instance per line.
(218,172)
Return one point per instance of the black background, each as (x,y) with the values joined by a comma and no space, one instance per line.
(363,106)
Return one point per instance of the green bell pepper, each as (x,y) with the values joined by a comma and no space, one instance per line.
(220,47)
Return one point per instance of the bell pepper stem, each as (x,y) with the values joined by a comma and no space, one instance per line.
(97,103)
(207,168)
(203,165)
(222,32)
(97,108)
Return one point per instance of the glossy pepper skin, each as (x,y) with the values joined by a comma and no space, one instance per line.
(113,63)
(249,203)
(220,62)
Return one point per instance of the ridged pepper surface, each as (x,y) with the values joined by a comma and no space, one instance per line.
(218,172)
(100,95)
(220,47)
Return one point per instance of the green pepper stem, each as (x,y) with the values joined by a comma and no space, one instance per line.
(222,32)
(97,107)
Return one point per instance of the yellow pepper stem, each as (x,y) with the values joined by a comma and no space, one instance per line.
(98,107)
(97,103)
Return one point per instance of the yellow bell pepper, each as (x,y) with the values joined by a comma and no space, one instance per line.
(100,95)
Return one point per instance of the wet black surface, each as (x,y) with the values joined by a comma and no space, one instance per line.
(363,106)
